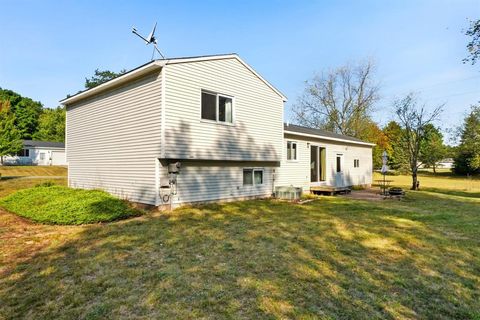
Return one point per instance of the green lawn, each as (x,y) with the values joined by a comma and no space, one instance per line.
(61,205)
(328,259)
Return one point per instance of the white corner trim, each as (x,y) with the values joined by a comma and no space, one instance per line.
(328,138)
(163,113)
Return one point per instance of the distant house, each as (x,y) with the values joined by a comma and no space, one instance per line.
(42,153)
(216,118)
(447,163)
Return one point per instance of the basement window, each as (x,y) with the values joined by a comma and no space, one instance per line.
(252,177)
(217,107)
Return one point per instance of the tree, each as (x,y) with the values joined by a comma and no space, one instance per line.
(397,157)
(340,100)
(374,134)
(467,160)
(51,126)
(10,137)
(432,148)
(101,76)
(414,119)
(473,46)
(26,111)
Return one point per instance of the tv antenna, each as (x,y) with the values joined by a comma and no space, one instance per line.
(150,40)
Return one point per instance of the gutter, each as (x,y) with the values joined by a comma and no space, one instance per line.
(328,138)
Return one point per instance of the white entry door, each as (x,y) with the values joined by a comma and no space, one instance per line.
(339,170)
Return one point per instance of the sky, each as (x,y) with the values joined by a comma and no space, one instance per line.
(47,48)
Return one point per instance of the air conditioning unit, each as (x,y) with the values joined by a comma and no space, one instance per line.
(288,193)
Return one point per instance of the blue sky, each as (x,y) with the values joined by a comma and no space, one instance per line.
(47,48)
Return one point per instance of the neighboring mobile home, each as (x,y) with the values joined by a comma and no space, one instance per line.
(214,115)
(42,153)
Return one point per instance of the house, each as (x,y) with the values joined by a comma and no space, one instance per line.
(42,153)
(198,129)
(447,163)
(317,158)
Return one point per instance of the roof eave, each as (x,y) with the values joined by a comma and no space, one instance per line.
(147,68)
(329,138)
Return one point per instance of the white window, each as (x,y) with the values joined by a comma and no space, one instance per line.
(252,177)
(291,150)
(42,156)
(217,107)
(356,163)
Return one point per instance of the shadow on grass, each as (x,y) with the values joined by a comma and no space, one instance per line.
(332,258)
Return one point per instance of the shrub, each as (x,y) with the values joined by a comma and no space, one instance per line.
(61,205)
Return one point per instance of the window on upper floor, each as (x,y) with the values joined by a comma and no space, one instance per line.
(217,107)
(291,150)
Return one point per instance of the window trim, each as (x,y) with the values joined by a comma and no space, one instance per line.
(253,170)
(341,157)
(296,150)
(217,107)
(356,163)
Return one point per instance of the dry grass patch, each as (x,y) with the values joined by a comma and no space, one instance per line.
(24,171)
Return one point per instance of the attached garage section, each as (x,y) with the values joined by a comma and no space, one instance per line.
(58,158)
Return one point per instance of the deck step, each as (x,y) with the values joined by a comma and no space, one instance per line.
(329,190)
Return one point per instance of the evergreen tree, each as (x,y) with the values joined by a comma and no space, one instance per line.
(432,148)
(101,76)
(467,160)
(397,156)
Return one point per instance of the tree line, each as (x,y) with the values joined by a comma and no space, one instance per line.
(22,118)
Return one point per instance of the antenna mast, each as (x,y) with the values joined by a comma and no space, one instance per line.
(150,40)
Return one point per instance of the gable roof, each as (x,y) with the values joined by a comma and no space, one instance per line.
(321,134)
(43,144)
(157,65)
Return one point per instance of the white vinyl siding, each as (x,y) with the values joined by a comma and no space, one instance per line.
(257,130)
(200,181)
(298,173)
(114,138)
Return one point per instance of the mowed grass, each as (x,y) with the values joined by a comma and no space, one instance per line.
(24,171)
(63,205)
(334,258)
(443,181)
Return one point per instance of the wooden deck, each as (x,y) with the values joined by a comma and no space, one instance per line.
(329,190)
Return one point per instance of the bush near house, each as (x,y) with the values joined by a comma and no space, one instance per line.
(52,204)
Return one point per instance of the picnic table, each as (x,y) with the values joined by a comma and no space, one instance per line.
(384,185)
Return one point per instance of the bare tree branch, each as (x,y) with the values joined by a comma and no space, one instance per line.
(340,100)
(414,119)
